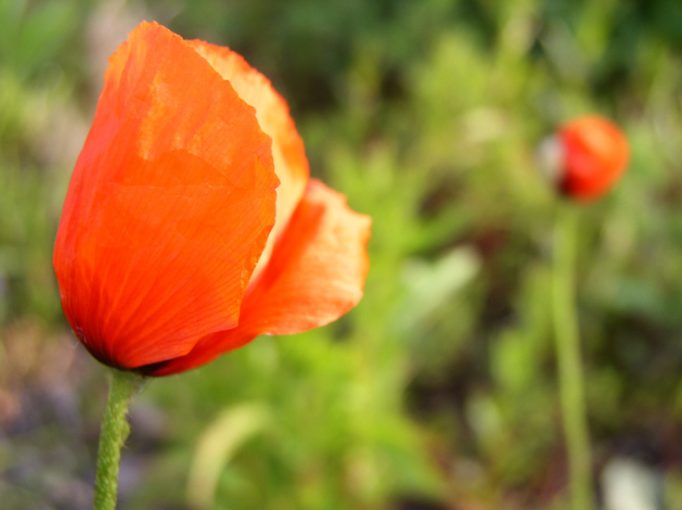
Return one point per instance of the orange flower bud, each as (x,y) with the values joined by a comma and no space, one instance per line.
(586,157)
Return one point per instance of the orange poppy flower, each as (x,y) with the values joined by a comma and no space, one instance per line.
(595,154)
(191,225)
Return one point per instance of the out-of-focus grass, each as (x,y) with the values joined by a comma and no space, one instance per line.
(440,387)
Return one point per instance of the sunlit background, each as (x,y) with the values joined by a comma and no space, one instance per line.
(438,392)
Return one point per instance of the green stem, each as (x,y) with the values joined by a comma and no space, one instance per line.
(113,435)
(574,414)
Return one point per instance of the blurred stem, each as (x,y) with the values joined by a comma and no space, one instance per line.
(113,435)
(573,409)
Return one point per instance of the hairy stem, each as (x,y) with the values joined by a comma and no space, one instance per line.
(113,435)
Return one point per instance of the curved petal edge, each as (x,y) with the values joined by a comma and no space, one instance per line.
(316,274)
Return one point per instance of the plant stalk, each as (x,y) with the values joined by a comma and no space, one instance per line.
(569,361)
(113,434)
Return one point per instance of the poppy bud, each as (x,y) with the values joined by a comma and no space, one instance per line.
(585,158)
(191,225)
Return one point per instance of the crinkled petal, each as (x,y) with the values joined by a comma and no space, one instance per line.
(272,111)
(169,207)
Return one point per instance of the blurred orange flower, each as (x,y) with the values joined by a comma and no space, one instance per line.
(595,154)
(191,225)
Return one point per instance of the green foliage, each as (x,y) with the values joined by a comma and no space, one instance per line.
(441,385)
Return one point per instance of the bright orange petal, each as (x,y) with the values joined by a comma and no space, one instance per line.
(291,164)
(316,274)
(169,207)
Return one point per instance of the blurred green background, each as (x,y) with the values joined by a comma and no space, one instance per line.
(439,390)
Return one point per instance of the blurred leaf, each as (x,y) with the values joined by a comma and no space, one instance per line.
(432,285)
(217,445)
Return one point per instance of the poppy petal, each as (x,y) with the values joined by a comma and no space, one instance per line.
(316,274)
(272,111)
(169,207)
(317,271)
